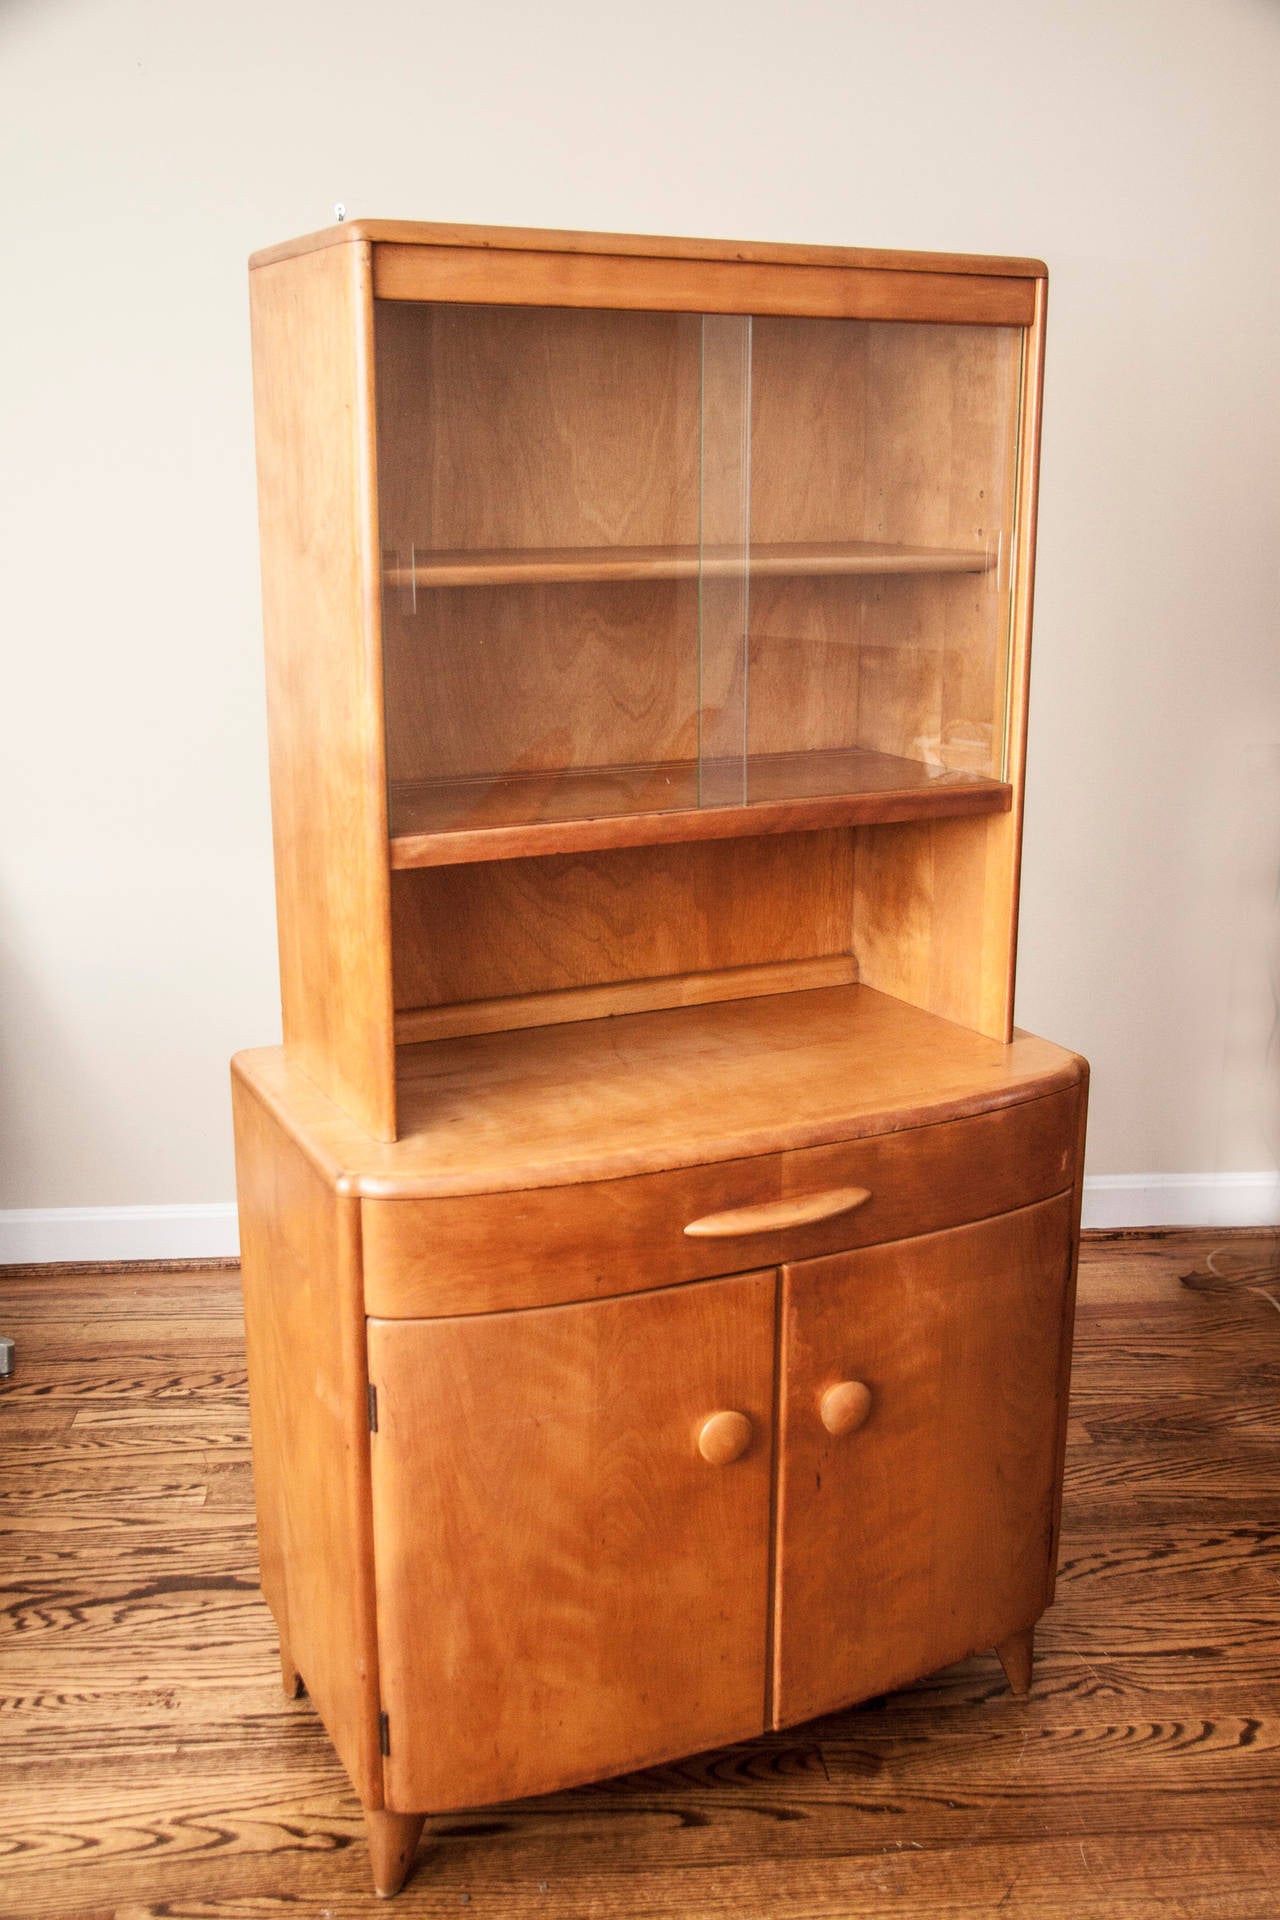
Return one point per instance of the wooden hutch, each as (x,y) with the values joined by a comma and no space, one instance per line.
(658,1245)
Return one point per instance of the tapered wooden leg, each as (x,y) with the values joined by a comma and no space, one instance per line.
(290,1679)
(392,1839)
(1016,1654)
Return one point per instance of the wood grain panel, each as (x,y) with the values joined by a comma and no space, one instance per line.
(946,1488)
(697,286)
(304,1320)
(613,1612)
(313,406)
(924,925)
(548,427)
(536,926)
(488,682)
(487,1252)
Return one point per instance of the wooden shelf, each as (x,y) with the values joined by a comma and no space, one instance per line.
(575,810)
(538,566)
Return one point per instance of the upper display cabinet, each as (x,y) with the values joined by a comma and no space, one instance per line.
(644,563)
(647,621)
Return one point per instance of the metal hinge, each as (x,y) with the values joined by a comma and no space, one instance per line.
(373,1408)
(384,1734)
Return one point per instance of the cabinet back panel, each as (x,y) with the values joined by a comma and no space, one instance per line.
(638,913)
(528,679)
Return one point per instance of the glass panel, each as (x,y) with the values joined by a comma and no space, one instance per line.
(641,562)
(882,467)
(723,575)
(539,497)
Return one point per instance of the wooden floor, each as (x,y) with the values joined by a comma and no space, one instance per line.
(151,1766)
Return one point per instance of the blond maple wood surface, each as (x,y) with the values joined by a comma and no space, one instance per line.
(582,808)
(621,996)
(312,322)
(1017,1657)
(774,1216)
(393,1838)
(942,1497)
(151,1765)
(846,1406)
(551,240)
(510,928)
(516,566)
(484,1252)
(305,1331)
(650,281)
(724,1438)
(646,1092)
(581,1591)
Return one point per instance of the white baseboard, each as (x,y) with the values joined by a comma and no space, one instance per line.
(43,1235)
(1115,1200)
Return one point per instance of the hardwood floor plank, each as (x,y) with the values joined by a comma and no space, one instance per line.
(153,1771)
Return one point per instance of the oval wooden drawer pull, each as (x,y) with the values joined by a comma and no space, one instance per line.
(773,1216)
(724,1438)
(845,1407)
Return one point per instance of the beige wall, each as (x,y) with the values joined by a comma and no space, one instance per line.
(146,149)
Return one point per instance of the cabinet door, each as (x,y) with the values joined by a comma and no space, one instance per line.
(925,1529)
(566,1587)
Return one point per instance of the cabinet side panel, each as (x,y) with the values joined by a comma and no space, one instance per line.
(300,1260)
(934,905)
(313,407)
(949,1488)
(936,902)
(567,1588)
(1068,1327)
(1024,562)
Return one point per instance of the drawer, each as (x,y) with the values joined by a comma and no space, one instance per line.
(543,1246)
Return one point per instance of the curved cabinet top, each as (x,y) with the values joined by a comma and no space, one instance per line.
(648,1092)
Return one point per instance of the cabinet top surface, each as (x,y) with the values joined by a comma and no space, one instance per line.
(423,233)
(643,1093)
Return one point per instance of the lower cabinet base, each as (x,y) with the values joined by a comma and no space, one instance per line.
(516,1549)
(393,1837)
(1016,1655)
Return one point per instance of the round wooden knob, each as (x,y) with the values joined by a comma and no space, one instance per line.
(723,1438)
(845,1407)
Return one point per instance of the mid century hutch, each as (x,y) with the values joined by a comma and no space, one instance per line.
(658,1245)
